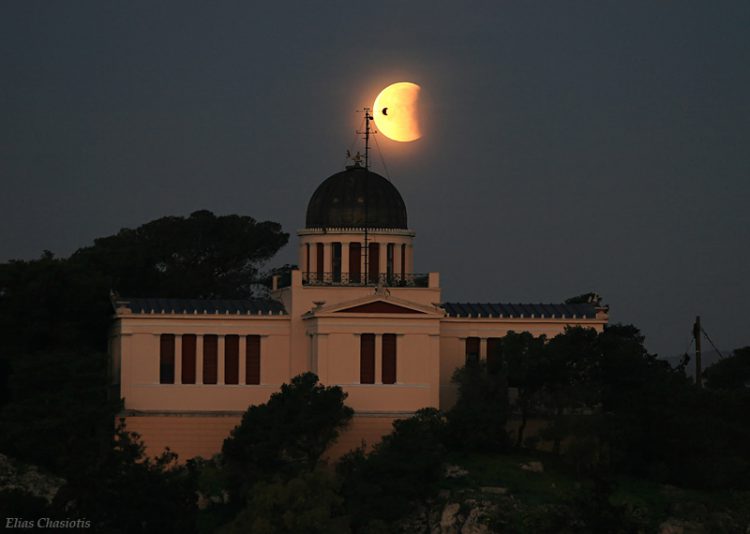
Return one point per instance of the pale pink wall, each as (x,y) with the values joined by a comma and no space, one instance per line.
(190,436)
(137,339)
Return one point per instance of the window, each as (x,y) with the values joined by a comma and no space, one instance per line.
(210,350)
(367,359)
(166,359)
(494,355)
(472,350)
(188,359)
(336,261)
(355,262)
(307,260)
(320,254)
(231,359)
(374,262)
(252,360)
(389,261)
(389,359)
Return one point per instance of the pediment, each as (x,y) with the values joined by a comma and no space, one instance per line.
(380,306)
(376,304)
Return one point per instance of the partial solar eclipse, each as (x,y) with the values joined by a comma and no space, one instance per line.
(396,112)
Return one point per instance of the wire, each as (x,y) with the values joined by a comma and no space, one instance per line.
(382,159)
(712,343)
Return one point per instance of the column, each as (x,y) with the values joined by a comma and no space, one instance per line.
(409,258)
(243,359)
(302,256)
(383,260)
(321,341)
(220,356)
(345,262)
(397,274)
(178,358)
(199,358)
(483,349)
(379,358)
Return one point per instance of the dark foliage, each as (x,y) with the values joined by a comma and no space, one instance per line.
(124,491)
(309,503)
(477,421)
(401,470)
(732,372)
(52,304)
(523,361)
(200,256)
(285,436)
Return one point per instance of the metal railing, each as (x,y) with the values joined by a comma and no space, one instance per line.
(353,279)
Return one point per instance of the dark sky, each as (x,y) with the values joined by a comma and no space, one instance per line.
(569,146)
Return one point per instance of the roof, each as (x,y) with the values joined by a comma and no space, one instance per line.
(537,311)
(356,198)
(202,306)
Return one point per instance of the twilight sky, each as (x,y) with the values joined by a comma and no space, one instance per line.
(569,146)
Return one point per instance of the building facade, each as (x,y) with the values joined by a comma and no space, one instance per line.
(354,313)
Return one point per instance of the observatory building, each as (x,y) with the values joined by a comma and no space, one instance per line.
(355,313)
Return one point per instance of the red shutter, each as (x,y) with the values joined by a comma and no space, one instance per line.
(403,261)
(389,358)
(188,359)
(367,359)
(210,353)
(231,360)
(472,350)
(252,360)
(355,262)
(374,260)
(166,359)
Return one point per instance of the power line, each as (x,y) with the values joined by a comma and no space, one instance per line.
(711,342)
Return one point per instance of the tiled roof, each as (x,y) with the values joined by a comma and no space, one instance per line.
(526,311)
(203,306)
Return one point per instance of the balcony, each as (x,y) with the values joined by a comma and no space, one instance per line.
(350,279)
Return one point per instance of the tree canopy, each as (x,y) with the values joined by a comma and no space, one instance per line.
(286,435)
(200,256)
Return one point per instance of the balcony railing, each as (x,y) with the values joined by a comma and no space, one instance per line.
(351,279)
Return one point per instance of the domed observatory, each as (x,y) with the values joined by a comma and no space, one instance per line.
(356,233)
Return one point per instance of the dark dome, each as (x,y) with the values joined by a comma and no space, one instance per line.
(339,202)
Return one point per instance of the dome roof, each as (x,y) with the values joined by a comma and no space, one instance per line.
(339,202)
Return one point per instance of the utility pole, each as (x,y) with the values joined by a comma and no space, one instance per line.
(697,335)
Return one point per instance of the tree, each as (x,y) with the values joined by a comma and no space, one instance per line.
(285,436)
(523,356)
(568,371)
(125,491)
(732,372)
(200,256)
(477,420)
(402,470)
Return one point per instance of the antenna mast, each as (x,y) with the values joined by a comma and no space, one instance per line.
(368,118)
